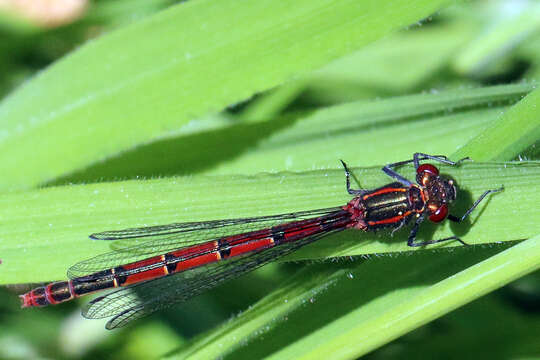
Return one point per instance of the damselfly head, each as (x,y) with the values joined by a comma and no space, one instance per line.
(426,173)
(441,192)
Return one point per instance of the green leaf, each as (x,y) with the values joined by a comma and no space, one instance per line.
(422,53)
(511,134)
(504,31)
(344,311)
(366,133)
(47,230)
(363,133)
(143,81)
(510,334)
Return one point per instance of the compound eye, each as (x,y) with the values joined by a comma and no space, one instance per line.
(440,214)
(424,172)
(427,168)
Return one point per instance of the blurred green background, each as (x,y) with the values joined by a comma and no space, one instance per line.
(202,110)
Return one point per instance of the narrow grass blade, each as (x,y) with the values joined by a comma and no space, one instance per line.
(406,313)
(516,130)
(342,311)
(142,81)
(361,133)
(47,230)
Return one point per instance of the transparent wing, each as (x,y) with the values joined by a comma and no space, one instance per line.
(134,302)
(160,231)
(141,243)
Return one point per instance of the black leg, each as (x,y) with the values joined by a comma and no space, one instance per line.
(417,157)
(486,193)
(412,236)
(414,230)
(423,243)
(394,175)
(355,192)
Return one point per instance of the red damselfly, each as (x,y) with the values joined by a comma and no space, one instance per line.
(178,261)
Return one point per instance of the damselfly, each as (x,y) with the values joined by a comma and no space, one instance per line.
(178,261)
